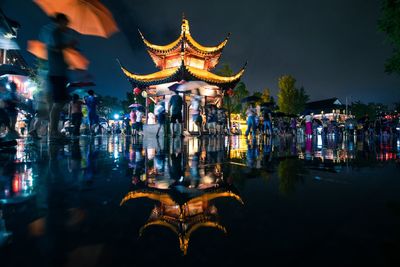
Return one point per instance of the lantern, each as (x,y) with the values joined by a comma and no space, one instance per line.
(144,93)
(137,91)
(229,92)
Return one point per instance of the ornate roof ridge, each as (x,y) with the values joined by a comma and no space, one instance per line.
(187,37)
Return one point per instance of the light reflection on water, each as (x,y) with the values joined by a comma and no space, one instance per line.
(185,180)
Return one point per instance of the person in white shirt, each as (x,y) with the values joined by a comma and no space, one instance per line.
(160,111)
(195,111)
(139,124)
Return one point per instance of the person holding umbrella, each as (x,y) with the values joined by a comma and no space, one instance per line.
(56,41)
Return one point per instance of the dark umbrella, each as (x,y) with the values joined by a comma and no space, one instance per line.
(12,70)
(80,84)
(250,99)
(174,86)
(135,105)
(266,104)
(278,114)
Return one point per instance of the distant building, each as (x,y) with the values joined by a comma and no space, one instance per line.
(12,65)
(331,108)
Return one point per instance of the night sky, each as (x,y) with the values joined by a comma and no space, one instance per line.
(332,47)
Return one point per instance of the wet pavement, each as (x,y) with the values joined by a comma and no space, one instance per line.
(116,201)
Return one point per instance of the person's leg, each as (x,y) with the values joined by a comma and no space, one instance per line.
(180,120)
(158,130)
(248,127)
(254,128)
(199,127)
(55,118)
(172,124)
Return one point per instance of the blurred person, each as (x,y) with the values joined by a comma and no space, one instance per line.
(212,120)
(195,111)
(308,119)
(221,121)
(132,117)
(139,123)
(160,113)
(91,103)
(251,123)
(267,121)
(56,40)
(11,103)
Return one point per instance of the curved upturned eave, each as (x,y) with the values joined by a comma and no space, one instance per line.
(152,77)
(188,39)
(207,50)
(161,48)
(214,78)
(157,196)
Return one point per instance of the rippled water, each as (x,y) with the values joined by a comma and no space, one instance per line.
(115,201)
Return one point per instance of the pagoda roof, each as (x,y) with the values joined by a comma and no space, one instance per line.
(183,72)
(185,38)
(184,226)
(173,197)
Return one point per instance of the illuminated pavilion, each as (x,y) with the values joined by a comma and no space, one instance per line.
(185,60)
(181,213)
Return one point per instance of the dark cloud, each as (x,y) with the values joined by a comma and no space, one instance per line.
(332,47)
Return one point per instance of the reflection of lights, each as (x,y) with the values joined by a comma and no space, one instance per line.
(207,180)
(319,129)
(319,141)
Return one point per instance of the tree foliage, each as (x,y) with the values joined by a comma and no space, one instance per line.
(291,100)
(360,109)
(239,92)
(108,105)
(389,23)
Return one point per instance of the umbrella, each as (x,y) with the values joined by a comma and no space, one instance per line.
(163,91)
(12,70)
(278,114)
(79,91)
(209,91)
(89,17)
(190,86)
(80,84)
(135,105)
(250,99)
(74,59)
(174,87)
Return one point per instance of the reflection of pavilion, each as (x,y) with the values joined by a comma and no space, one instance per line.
(184,210)
(185,59)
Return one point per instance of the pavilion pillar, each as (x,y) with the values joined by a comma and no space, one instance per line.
(147,110)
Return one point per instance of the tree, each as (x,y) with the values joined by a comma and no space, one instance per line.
(266,96)
(240,91)
(397,106)
(389,23)
(359,109)
(130,99)
(108,105)
(290,99)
